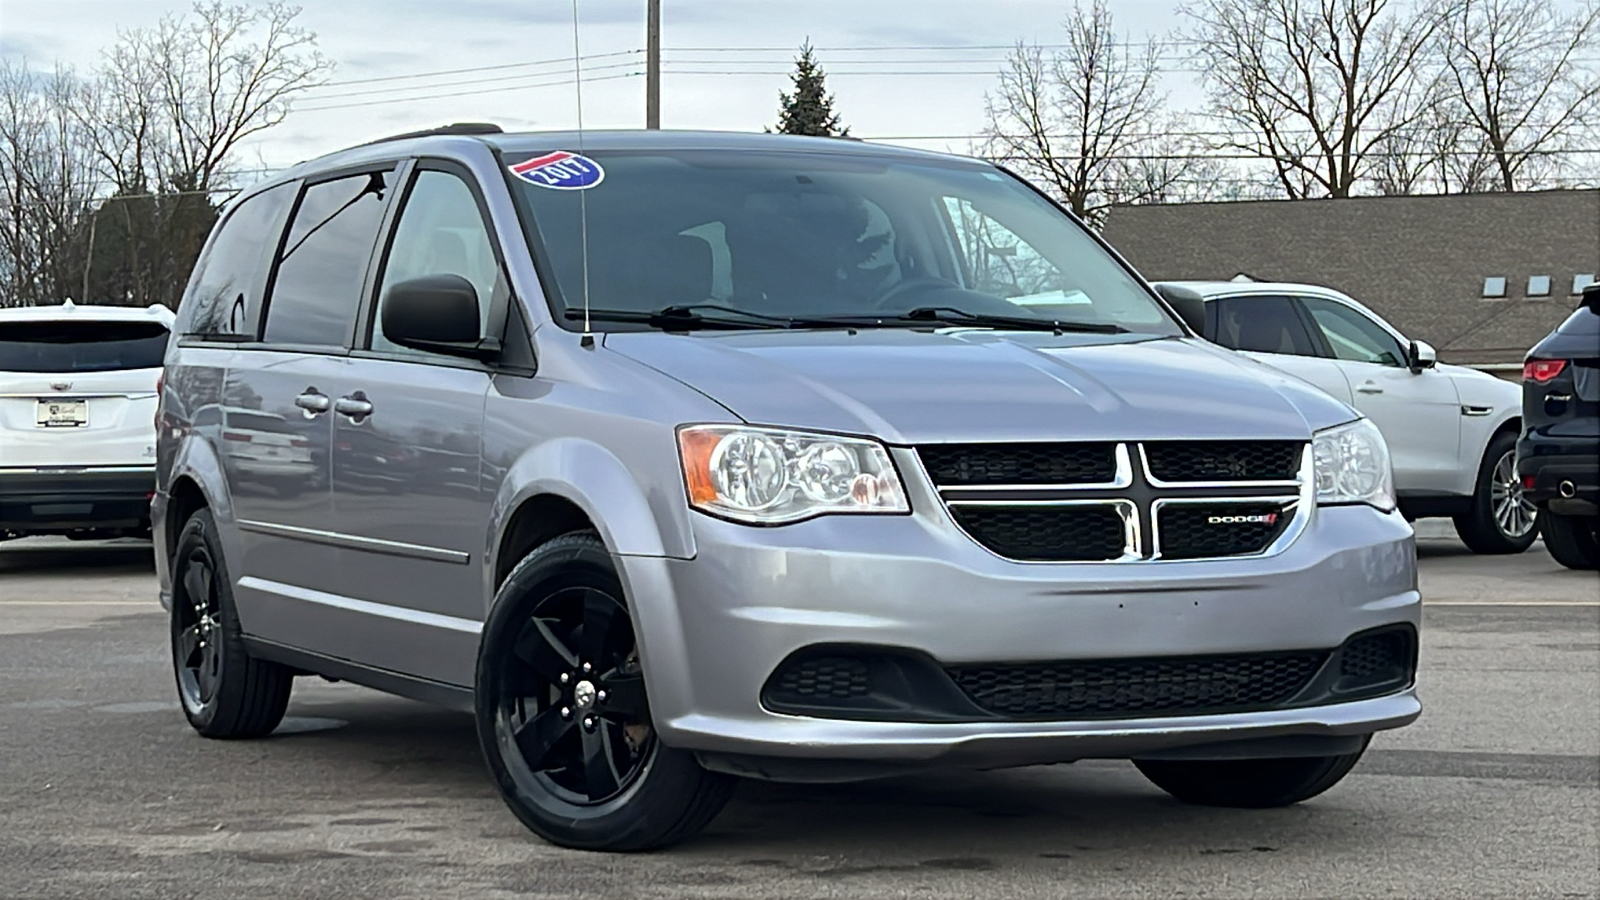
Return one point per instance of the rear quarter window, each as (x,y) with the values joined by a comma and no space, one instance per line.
(225,293)
(81,346)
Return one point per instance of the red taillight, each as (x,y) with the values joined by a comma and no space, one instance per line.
(299,442)
(1541,370)
(239,436)
(1527,482)
(155,419)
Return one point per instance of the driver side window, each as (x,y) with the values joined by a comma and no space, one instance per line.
(1352,335)
(999,262)
(440,232)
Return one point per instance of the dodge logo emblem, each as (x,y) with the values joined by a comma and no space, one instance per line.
(61,385)
(1265,519)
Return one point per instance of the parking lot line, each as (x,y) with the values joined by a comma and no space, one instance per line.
(78,603)
(1511,602)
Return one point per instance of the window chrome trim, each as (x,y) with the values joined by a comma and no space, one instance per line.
(354,542)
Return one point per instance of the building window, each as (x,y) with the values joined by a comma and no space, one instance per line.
(1538,286)
(1494,288)
(1579,282)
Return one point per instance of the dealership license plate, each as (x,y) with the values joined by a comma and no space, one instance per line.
(62,413)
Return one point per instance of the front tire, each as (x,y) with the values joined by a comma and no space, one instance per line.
(1248,783)
(563,717)
(1501,520)
(1574,541)
(224,691)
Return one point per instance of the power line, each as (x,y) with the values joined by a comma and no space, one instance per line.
(554,60)
(471,93)
(445,84)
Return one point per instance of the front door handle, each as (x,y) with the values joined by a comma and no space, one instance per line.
(313,402)
(356,406)
(1371,387)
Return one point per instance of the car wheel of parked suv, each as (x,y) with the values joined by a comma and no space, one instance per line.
(1501,519)
(1248,783)
(1574,541)
(563,717)
(225,692)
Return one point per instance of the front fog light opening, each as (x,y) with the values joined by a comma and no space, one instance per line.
(769,476)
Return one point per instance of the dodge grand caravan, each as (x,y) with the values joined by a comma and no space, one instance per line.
(682,457)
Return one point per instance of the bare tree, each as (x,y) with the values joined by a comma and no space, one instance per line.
(1086,122)
(46,182)
(1513,80)
(1315,88)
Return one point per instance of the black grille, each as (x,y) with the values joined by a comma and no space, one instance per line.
(1376,657)
(821,677)
(1042,533)
(965,465)
(1224,460)
(1117,688)
(1196,530)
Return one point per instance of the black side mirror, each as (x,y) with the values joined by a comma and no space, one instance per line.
(1188,304)
(1591,298)
(436,313)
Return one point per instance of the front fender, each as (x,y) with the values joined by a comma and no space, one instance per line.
(625,512)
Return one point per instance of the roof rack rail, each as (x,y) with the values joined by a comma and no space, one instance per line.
(456,128)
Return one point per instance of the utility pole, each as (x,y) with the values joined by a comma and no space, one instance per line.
(652,77)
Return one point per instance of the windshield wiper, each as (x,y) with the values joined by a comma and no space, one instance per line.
(686,317)
(949,315)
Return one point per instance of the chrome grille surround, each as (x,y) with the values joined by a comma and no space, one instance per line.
(1138,499)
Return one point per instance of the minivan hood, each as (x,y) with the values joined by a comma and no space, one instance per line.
(909,386)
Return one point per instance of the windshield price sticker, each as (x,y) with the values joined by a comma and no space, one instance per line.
(561,171)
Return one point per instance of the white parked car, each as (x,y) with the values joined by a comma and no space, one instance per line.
(1452,431)
(78,391)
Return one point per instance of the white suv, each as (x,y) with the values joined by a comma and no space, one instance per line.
(1452,430)
(78,388)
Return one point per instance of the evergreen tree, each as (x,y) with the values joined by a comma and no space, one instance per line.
(809,110)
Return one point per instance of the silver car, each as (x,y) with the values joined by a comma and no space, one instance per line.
(678,458)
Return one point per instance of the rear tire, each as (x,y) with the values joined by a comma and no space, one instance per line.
(1500,520)
(1572,540)
(563,716)
(224,691)
(1248,783)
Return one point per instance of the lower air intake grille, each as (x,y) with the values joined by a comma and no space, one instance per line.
(1375,658)
(1043,533)
(821,677)
(1118,688)
(1199,530)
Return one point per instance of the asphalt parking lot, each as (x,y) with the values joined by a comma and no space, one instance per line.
(105,792)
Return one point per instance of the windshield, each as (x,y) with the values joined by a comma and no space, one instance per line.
(770,236)
(91,346)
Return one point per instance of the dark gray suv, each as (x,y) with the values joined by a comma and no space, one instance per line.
(679,457)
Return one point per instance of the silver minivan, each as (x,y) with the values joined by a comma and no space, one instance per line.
(683,457)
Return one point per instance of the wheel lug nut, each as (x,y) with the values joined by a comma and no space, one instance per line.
(565,678)
(587,668)
(588,723)
(566,713)
(600,696)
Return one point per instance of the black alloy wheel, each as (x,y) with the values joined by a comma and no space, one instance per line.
(573,697)
(563,715)
(197,625)
(225,693)
(1501,519)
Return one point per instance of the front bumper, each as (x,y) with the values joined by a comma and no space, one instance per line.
(63,500)
(713,629)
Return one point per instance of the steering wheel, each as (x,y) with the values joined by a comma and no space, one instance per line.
(922,282)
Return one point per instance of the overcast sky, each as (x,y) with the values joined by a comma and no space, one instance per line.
(859,42)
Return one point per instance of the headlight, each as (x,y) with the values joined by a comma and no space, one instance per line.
(1353,466)
(767,476)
